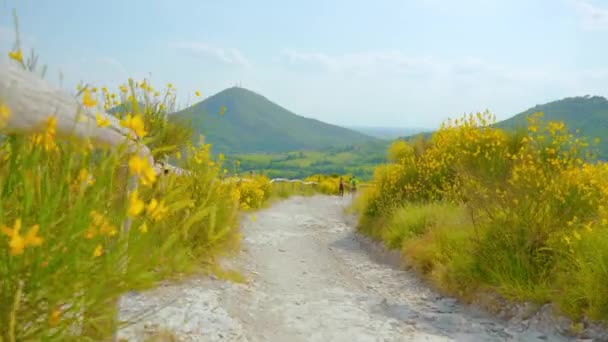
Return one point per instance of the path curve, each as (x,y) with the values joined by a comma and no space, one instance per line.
(311,279)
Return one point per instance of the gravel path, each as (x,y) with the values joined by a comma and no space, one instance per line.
(312,279)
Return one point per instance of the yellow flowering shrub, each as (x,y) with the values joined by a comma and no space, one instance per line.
(81,226)
(253,192)
(533,196)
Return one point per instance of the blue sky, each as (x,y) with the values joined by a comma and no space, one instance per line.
(378,63)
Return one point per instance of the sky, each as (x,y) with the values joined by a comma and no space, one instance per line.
(408,63)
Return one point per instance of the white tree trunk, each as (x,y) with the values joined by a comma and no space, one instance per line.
(32,101)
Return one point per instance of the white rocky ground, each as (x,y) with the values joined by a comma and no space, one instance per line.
(313,279)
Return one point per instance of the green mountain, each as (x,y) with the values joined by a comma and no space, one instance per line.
(237,120)
(588,114)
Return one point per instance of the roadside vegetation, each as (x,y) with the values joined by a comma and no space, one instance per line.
(80,225)
(476,209)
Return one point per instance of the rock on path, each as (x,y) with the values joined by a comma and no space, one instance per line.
(311,279)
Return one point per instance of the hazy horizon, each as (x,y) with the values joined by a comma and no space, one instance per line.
(386,63)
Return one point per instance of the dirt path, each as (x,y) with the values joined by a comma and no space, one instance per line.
(311,279)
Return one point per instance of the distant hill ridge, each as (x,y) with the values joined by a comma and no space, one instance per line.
(252,123)
(588,114)
(581,112)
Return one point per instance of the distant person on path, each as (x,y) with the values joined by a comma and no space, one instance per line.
(353,185)
(341,188)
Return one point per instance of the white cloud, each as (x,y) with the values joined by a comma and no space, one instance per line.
(230,56)
(365,63)
(593,17)
(473,72)
(392,64)
(392,79)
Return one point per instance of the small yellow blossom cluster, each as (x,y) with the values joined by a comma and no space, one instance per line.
(5,114)
(253,192)
(17,242)
(135,124)
(140,166)
(46,139)
(100,226)
(16,55)
(155,210)
(87,99)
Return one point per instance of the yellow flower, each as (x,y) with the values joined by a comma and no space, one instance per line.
(17,242)
(47,139)
(51,123)
(84,178)
(5,114)
(90,233)
(136,205)
(178,155)
(99,221)
(135,124)
(108,229)
(98,251)
(123,89)
(32,238)
(143,228)
(156,210)
(54,317)
(141,167)
(197,93)
(16,55)
(102,121)
(87,99)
